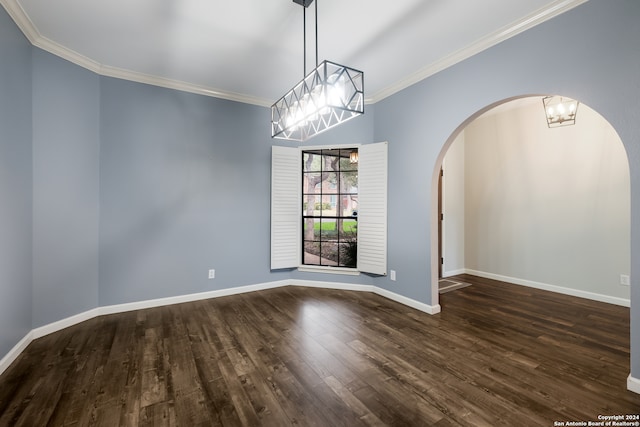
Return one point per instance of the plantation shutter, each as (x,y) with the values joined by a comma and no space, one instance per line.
(285,207)
(372,208)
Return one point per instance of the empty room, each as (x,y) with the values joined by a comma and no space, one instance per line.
(234,213)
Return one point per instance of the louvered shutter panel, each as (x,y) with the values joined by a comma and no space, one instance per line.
(285,207)
(372,208)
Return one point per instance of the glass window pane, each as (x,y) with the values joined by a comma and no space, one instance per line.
(349,182)
(349,230)
(329,205)
(311,205)
(311,253)
(330,183)
(331,163)
(311,229)
(329,253)
(329,229)
(311,183)
(345,160)
(348,206)
(311,161)
(348,254)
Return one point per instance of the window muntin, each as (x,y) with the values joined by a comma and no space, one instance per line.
(330,208)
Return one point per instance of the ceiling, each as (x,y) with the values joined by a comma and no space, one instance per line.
(252,51)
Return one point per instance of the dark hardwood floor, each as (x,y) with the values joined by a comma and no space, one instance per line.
(497,355)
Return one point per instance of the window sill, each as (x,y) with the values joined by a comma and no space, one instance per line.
(329,270)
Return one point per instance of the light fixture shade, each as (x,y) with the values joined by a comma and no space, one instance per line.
(560,111)
(353,157)
(329,95)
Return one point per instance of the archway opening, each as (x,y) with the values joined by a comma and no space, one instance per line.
(533,205)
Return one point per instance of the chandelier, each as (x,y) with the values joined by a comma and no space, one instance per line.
(329,95)
(560,111)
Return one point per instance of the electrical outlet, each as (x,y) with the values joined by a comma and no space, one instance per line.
(212,274)
(624,280)
(393,275)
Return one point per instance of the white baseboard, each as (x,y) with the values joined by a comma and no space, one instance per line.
(159,302)
(429,309)
(553,288)
(41,331)
(64,323)
(17,349)
(446,274)
(633,384)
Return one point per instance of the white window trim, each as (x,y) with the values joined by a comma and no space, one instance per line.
(331,270)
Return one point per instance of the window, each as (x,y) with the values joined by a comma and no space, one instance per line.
(330,208)
(287,203)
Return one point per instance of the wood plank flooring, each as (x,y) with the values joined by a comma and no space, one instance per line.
(497,355)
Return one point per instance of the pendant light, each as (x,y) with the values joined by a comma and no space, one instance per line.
(560,111)
(329,95)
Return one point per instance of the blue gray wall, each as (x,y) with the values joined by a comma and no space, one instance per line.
(183,182)
(15,185)
(66,152)
(184,187)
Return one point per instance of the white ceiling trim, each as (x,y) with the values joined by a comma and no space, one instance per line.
(538,17)
(21,19)
(23,22)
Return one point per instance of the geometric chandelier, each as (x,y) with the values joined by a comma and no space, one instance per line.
(560,111)
(329,95)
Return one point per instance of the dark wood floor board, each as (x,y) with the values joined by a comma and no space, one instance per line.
(187,390)
(497,355)
(379,375)
(299,343)
(270,367)
(352,402)
(77,384)
(158,415)
(228,396)
(308,378)
(291,395)
(407,377)
(239,370)
(460,386)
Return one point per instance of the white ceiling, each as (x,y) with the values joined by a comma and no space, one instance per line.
(251,50)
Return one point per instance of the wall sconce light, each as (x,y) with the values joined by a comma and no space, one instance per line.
(560,111)
(353,157)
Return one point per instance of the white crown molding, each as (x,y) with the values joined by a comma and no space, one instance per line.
(134,76)
(550,11)
(21,19)
(25,24)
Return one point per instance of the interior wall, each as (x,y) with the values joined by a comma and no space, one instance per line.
(15,185)
(549,206)
(184,188)
(66,151)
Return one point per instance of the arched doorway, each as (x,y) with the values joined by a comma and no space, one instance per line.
(547,208)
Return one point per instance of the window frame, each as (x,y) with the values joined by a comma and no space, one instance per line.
(334,194)
(286,209)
